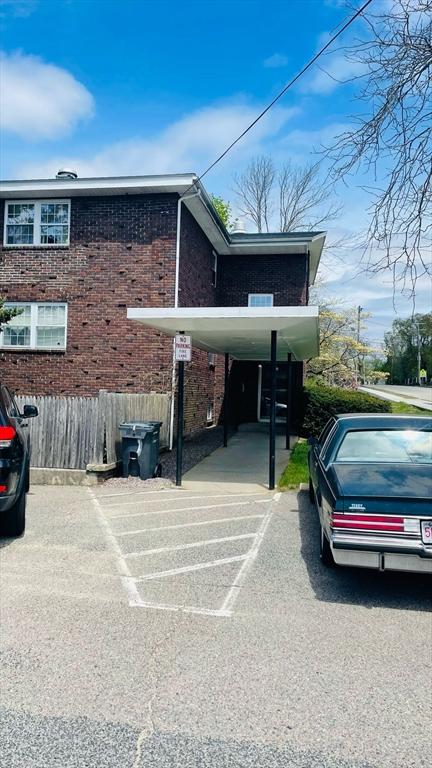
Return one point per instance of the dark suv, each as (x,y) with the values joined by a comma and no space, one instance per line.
(14,463)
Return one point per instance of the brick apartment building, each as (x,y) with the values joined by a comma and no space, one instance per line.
(76,253)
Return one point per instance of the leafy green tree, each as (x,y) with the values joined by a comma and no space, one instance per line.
(222,208)
(7,314)
(402,344)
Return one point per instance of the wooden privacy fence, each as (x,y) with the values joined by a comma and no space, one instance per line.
(71,432)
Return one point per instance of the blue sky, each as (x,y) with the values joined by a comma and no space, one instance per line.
(143,86)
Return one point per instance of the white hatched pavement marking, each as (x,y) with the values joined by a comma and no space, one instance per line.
(187,509)
(121,565)
(129,582)
(179,547)
(229,602)
(181,608)
(179,496)
(190,525)
(135,493)
(190,568)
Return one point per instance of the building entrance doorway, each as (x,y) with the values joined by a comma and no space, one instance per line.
(264,391)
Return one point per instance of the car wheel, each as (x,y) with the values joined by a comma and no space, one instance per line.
(14,522)
(311,491)
(325,551)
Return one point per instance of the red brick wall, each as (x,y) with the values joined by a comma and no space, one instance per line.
(121,254)
(282,275)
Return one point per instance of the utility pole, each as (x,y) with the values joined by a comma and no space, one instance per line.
(418,353)
(419,328)
(359,311)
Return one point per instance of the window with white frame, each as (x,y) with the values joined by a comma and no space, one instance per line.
(260,300)
(37,222)
(210,412)
(37,326)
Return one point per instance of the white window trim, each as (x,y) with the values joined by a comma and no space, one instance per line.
(36,224)
(261,295)
(32,347)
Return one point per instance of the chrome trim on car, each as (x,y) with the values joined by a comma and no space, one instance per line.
(373,543)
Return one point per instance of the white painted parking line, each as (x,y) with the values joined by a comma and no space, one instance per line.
(130,583)
(134,493)
(190,525)
(188,509)
(190,568)
(121,565)
(179,547)
(228,604)
(180,496)
(178,607)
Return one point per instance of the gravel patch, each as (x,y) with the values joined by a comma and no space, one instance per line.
(152,484)
(195,449)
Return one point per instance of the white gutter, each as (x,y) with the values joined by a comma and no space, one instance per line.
(176,293)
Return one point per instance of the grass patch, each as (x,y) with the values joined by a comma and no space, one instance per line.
(406,408)
(296,471)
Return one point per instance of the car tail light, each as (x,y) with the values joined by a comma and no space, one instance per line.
(3,488)
(358,522)
(7,434)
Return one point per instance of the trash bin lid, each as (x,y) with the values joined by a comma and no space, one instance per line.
(148,426)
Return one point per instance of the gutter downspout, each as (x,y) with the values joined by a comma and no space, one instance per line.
(176,293)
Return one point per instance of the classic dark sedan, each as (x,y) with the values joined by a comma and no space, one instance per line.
(14,463)
(371,480)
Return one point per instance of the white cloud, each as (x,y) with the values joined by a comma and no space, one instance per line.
(335,71)
(276,61)
(39,100)
(188,144)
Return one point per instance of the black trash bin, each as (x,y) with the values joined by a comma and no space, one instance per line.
(140,448)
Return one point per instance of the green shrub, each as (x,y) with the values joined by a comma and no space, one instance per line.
(320,402)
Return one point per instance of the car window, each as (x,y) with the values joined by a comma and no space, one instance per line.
(401,446)
(325,433)
(11,406)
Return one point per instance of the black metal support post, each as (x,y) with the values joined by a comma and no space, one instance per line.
(226,401)
(289,403)
(272,435)
(180,412)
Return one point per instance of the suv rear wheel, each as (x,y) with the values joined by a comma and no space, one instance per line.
(14,519)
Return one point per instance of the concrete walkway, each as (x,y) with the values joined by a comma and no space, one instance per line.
(241,467)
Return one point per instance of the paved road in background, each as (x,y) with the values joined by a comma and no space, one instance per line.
(164,630)
(419,396)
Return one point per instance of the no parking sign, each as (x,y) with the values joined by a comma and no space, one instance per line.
(183,348)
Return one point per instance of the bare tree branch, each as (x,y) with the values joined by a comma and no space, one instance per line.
(298,194)
(253,188)
(392,141)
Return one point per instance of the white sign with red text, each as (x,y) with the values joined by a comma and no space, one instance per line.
(183,348)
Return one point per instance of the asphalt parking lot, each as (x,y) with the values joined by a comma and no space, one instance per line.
(167,629)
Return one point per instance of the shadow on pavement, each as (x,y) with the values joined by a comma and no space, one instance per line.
(48,742)
(357,586)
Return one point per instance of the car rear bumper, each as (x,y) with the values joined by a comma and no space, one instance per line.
(381,554)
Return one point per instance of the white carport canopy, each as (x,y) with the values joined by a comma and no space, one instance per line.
(242,332)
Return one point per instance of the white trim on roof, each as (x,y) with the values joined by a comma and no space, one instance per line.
(199,205)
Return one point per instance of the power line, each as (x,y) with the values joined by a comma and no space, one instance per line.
(281,93)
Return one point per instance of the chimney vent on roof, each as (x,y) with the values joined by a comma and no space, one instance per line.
(66,173)
(238,227)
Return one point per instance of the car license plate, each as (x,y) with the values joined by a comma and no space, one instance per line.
(426,532)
